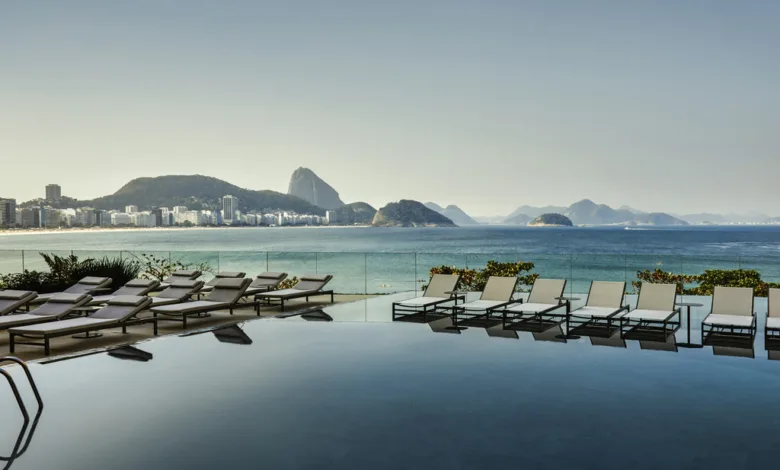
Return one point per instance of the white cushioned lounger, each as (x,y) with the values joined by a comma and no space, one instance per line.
(119,311)
(498,293)
(605,302)
(13,300)
(57,307)
(656,305)
(309,285)
(438,291)
(134,287)
(87,285)
(732,310)
(543,300)
(773,315)
(226,294)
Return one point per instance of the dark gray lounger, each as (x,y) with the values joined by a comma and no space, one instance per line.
(226,294)
(181,275)
(221,275)
(310,285)
(13,300)
(177,292)
(265,282)
(88,285)
(119,311)
(135,287)
(58,306)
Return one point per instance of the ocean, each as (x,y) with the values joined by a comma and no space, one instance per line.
(377,260)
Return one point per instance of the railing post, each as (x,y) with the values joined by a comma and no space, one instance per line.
(414,283)
(267,268)
(365,273)
(218,262)
(316,263)
(22,260)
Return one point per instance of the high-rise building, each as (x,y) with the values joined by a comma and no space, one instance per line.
(158,217)
(8,212)
(229,208)
(53,192)
(179,209)
(131,209)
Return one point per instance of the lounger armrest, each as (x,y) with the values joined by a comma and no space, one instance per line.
(100,289)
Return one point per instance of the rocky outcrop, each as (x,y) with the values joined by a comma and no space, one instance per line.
(551,220)
(306,185)
(407,213)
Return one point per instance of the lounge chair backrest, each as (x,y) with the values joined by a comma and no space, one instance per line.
(61,304)
(607,294)
(657,297)
(137,287)
(183,274)
(15,294)
(440,284)
(11,300)
(87,284)
(547,291)
(499,288)
(313,281)
(773,309)
(181,289)
(732,301)
(269,279)
(229,290)
(225,275)
(122,307)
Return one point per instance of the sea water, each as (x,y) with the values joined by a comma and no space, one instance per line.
(377,260)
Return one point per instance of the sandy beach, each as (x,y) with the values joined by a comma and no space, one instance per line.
(18,232)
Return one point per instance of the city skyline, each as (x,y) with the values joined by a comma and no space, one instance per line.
(662,106)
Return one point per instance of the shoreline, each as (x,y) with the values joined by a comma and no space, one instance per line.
(20,232)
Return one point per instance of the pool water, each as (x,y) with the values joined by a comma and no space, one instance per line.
(365,393)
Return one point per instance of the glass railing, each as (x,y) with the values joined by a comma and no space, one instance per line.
(379,273)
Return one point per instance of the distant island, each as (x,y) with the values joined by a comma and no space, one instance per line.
(551,220)
(407,213)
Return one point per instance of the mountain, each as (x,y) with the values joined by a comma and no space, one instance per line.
(587,212)
(356,213)
(490,219)
(196,192)
(310,187)
(557,220)
(531,211)
(407,213)
(631,209)
(519,219)
(453,213)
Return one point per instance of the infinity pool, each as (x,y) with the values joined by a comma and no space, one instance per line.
(361,392)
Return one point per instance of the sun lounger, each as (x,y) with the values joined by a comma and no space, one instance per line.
(654,313)
(13,300)
(88,285)
(221,275)
(57,307)
(181,275)
(310,285)
(225,296)
(772,329)
(497,294)
(119,311)
(177,292)
(543,310)
(732,314)
(440,290)
(135,287)
(601,311)
(265,282)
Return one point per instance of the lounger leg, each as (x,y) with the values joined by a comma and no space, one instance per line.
(155,324)
(183,321)
(46,346)
(282,304)
(331,298)
(11,338)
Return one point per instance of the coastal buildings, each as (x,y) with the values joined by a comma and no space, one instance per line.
(229,208)
(8,212)
(53,192)
(131,209)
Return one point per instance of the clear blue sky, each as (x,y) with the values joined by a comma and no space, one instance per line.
(661,105)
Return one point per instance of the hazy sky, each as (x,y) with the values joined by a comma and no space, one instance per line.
(662,105)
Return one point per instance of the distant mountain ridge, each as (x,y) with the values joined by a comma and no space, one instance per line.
(355,213)
(196,192)
(452,212)
(587,212)
(305,184)
(408,213)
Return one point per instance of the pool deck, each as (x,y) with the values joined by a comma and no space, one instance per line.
(68,346)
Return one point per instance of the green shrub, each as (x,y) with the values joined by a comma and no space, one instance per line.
(704,284)
(159,267)
(476,279)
